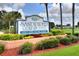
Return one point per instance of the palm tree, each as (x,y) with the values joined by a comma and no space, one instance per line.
(73,16)
(16,15)
(61,16)
(2,22)
(10,17)
(47,14)
(46,6)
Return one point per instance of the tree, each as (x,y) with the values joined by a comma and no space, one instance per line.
(68,25)
(10,17)
(78,24)
(46,6)
(2,22)
(52,25)
(16,15)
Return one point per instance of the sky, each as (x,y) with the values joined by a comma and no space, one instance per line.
(27,9)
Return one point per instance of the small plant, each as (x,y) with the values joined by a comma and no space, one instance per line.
(44,35)
(1,48)
(28,37)
(65,41)
(48,43)
(26,48)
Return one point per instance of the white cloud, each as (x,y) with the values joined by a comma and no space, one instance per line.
(8,9)
(18,5)
(0,8)
(54,13)
(22,13)
(54,8)
(13,7)
(43,14)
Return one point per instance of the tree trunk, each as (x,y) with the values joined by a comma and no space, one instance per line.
(14,27)
(61,16)
(73,11)
(46,5)
(9,27)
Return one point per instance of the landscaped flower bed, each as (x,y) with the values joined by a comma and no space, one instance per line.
(51,43)
(17,43)
(43,43)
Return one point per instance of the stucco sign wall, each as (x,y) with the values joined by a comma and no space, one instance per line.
(32,27)
(25,27)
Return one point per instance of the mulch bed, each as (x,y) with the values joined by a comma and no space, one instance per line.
(14,52)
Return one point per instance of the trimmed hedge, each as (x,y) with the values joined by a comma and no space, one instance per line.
(57,32)
(65,41)
(76,34)
(26,48)
(74,39)
(68,33)
(2,48)
(11,36)
(48,43)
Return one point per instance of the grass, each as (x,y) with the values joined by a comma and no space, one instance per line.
(69,51)
(69,30)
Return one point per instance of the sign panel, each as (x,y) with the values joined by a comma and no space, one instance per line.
(25,27)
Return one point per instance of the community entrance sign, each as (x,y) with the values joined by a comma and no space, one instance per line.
(32,27)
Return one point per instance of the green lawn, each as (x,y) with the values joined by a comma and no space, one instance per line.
(69,51)
(68,30)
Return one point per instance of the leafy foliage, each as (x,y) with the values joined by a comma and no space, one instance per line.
(57,32)
(11,36)
(26,48)
(8,19)
(74,39)
(65,41)
(48,43)
(1,48)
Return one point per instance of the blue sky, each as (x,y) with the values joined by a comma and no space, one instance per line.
(27,9)
(30,9)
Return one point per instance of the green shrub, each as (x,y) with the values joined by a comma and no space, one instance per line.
(59,37)
(74,39)
(57,31)
(50,33)
(48,43)
(28,37)
(68,33)
(26,48)
(76,34)
(65,41)
(11,36)
(1,48)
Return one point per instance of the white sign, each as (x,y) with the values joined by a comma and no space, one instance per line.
(25,27)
